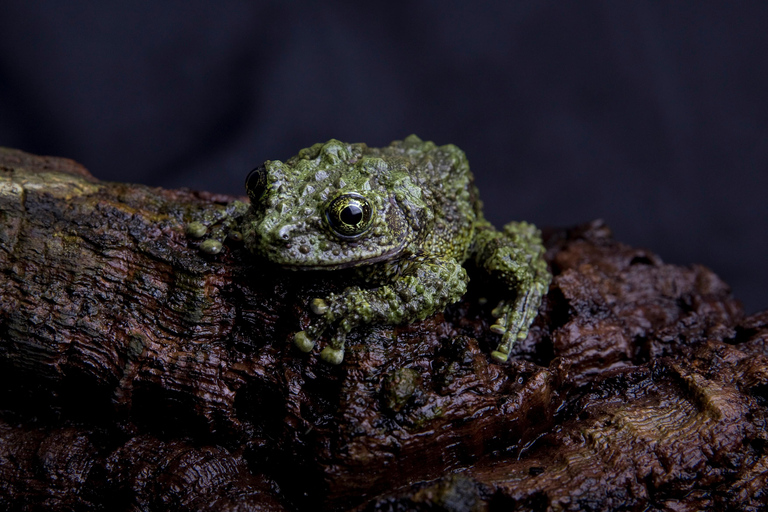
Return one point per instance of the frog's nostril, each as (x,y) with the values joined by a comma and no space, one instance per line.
(284,232)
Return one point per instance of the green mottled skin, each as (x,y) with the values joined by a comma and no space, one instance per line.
(425,222)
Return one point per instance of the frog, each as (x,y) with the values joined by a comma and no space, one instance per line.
(404,220)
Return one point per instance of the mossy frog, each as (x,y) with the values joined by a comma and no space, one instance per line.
(405,218)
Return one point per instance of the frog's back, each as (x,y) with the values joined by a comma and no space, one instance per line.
(447,185)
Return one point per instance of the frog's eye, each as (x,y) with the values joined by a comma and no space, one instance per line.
(256,183)
(349,215)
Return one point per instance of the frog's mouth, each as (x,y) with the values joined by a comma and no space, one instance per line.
(393,252)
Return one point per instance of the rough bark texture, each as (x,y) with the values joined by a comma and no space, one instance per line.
(138,373)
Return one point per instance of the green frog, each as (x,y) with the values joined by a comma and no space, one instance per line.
(404,218)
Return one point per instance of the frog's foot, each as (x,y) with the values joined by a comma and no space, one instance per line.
(333,353)
(510,333)
(514,257)
(306,340)
(216,225)
(514,319)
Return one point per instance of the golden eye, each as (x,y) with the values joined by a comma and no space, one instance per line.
(349,215)
(256,183)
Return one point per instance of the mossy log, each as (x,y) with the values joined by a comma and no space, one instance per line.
(139,373)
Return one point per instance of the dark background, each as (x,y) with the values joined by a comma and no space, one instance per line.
(650,115)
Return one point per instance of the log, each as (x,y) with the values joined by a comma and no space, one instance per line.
(139,373)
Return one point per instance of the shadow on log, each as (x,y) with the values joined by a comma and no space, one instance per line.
(138,373)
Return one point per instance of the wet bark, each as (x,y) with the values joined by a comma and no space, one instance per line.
(138,373)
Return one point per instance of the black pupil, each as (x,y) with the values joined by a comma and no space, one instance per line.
(349,215)
(352,214)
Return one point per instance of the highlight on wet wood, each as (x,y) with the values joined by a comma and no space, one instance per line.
(140,373)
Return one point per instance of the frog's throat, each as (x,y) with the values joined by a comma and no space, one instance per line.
(392,253)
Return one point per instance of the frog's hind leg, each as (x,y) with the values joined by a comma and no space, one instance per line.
(514,256)
(515,318)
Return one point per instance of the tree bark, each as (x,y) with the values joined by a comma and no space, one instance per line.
(139,373)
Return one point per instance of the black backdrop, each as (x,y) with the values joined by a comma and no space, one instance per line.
(650,115)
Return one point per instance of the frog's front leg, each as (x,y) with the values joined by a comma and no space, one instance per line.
(216,225)
(514,256)
(416,289)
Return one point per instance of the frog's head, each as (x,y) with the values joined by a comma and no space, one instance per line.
(334,205)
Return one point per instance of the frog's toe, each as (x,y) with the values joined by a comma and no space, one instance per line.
(501,313)
(332,355)
(499,356)
(303,342)
(319,306)
(211,246)
(500,327)
(196,229)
